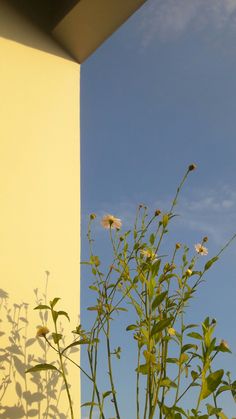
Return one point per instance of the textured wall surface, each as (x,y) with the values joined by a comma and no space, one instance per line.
(40,202)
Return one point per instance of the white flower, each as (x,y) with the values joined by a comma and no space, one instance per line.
(202,250)
(149,254)
(109,221)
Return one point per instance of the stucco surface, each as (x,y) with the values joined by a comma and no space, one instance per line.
(39,171)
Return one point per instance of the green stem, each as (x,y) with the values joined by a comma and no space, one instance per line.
(110,369)
(137,384)
(69,359)
(64,374)
(95,385)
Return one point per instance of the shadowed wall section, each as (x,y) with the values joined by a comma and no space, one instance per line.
(39,184)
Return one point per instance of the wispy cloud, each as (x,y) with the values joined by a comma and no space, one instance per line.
(207,211)
(210,212)
(170,18)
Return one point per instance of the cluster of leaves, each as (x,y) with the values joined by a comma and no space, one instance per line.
(175,359)
(159,291)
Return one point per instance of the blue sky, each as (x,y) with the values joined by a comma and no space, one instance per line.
(158,95)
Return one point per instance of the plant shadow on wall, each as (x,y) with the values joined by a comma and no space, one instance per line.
(175,360)
(32,395)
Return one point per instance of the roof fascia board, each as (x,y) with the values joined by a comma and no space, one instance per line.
(90,22)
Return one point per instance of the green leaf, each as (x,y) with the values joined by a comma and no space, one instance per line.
(152,239)
(42,367)
(56,337)
(54,302)
(195,335)
(89,404)
(138,309)
(210,263)
(63,313)
(161,325)
(188,346)
(212,410)
(211,383)
(222,389)
(54,315)
(93,288)
(76,343)
(180,410)
(42,307)
(143,369)
(131,327)
(94,260)
(222,415)
(106,394)
(172,360)
(155,267)
(189,326)
(158,300)
(195,375)
(166,382)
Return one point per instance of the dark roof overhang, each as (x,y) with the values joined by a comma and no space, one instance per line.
(80,26)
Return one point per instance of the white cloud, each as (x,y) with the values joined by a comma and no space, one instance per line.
(170,18)
(210,212)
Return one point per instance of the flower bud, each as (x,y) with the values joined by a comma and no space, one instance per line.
(205,239)
(171,331)
(224,344)
(92,216)
(157,212)
(178,245)
(189,272)
(192,167)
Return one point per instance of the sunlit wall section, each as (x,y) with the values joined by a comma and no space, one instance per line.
(39,209)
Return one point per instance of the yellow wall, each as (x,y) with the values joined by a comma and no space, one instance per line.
(39,174)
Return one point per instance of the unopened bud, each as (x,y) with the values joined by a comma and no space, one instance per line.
(171,331)
(205,239)
(92,216)
(192,167)
(178,245)
(224,344)
(157,212)
(189,272)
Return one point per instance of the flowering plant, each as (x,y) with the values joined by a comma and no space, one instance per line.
(174,359)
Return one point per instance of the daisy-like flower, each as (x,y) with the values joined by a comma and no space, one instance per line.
(109,221)
(171,331)
(202,250)
(149,254)
(42,331)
